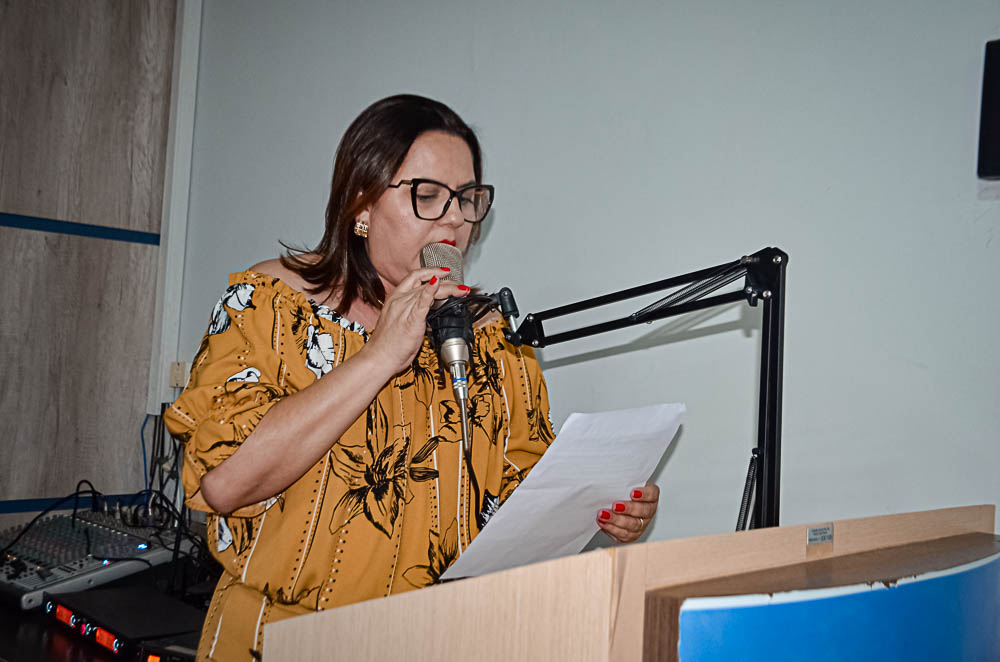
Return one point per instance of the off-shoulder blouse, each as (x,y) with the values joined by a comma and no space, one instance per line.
(391,504)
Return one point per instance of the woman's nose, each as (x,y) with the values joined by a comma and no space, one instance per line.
(454,215)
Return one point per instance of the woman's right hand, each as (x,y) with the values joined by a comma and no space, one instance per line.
(402,323)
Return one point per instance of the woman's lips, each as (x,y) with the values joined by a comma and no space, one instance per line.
(449,242)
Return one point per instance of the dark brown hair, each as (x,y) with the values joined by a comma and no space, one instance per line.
(369,155)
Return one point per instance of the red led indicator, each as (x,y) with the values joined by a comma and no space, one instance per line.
(106,639)
(64,615)
(153,658)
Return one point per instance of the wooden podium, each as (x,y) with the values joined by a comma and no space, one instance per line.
(624,604)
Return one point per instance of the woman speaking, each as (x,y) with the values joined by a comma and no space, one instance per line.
(317,434)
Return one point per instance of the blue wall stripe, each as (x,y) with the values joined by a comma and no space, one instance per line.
(80,229)
(37,505)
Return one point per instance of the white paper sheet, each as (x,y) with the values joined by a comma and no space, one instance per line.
(595,460)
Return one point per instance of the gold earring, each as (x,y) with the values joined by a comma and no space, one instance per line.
(361,228)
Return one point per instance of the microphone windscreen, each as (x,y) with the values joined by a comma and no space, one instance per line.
(443,255)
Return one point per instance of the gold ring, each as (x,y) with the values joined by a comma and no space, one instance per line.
(642,523)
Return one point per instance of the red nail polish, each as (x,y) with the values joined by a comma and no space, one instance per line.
(636,494)
(619,507)
(604,514)
(464,288)
(444,268)
(434,279)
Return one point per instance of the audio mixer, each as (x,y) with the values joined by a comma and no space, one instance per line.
(60,554)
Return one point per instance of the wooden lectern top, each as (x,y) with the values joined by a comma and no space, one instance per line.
(593,607)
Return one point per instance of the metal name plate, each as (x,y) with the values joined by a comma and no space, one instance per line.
(820,534)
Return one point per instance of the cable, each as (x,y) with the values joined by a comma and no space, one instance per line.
(155,480)
(192,561)
(199,566)
(145,467)
(748,491)
(94,496)
(37,517)
(160,500)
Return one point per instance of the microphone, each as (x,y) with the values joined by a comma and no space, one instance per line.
(449,324)
(449,321)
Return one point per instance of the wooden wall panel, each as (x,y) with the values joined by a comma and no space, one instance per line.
(84,113)
(84,108)
(74,346)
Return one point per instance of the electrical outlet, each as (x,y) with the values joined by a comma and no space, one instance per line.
(178,374)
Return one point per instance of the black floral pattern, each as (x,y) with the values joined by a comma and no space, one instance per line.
(488,368)
(422,375)
(491,504)
(375,474)
(299,319)
(420,474)
(512,477)
(241,530)
(441,553)
(479,416)
(238,532)
(332,315)
(539,425)
(480,410)
(449,420)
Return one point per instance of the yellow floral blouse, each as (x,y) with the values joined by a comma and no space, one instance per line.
(392,503)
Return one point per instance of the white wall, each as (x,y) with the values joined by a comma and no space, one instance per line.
(641,140)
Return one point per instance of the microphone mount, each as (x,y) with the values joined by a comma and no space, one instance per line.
(764,281)
(455,316)
(449,326)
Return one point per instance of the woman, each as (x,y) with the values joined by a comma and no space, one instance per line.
(317,434)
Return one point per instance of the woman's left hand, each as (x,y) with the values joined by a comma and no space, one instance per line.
(625,521)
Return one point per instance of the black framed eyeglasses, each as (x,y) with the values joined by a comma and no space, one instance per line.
(431,199)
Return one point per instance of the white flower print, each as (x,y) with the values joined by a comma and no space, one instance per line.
(320,353)
(491,505)
(248,375)
(331,315)
(323,311)
(225,539)
(237,297)
(356,327)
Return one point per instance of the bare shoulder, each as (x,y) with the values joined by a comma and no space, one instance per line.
(275,268)
(271,268)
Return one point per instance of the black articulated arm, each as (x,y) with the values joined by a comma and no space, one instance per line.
(763,275)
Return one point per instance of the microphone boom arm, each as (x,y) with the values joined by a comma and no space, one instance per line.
(764,273)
